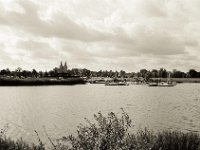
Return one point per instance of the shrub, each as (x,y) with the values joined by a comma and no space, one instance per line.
(111,133)
(107,133)
(8,144)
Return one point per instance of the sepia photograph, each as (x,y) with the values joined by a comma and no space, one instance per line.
(99,75)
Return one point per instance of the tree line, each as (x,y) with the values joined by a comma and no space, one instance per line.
(144,73)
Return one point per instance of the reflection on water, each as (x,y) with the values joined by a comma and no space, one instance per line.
(60,109)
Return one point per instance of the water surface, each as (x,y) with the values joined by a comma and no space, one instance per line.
(60,109)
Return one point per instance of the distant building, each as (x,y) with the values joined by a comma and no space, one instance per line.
(62,68)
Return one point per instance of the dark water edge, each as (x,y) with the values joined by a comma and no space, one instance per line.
(39,82)
(108,133)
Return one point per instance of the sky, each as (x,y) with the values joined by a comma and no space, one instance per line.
(100,34)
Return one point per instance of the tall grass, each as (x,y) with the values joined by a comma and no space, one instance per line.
(8,144)
(112,132)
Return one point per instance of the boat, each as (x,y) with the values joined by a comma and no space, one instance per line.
(116,82)
(153,84)
(162,84)
(168,83)
(97,82)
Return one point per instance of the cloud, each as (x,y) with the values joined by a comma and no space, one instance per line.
(38,50)
(60,24)
(100,34)
(152,8)
(160,44)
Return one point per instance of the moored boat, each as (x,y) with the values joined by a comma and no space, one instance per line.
(166,84)
(152,84)
(162,84)
(159,83)
(116,84)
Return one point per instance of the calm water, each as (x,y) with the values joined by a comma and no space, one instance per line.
(60,109)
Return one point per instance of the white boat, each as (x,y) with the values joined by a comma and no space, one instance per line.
(166,84)
(153,84)
(115,82)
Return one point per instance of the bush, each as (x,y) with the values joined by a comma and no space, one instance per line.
(8,144)
(107,133)
(111,133)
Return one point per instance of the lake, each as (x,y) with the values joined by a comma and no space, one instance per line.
(60,109)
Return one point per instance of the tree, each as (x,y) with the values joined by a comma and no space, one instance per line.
(51,73)
(143,72)
(25,73)
(193,73)
(111,74)
(154,73)
(147,76)
(75,71)
(99,73)
(116,74)
(86,72)
(18,71)
(41,74)
(5,72)
(162,73)
(46,74)
(178,74)
(34,73)
(122,74)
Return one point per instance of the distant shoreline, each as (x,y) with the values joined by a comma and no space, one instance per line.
(180,80)
(6,81)
(40,81)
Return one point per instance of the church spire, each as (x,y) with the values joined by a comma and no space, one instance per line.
(65,66)
(61,64)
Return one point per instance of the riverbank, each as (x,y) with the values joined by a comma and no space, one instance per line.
(112,132)
(141,80)
(39,81)
(179,80)
(7,81)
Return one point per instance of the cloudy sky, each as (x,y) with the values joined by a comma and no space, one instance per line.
(100,34)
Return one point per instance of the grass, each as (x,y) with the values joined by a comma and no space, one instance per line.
(112,132)
(8,144)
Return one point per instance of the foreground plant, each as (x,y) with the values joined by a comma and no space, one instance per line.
(111,132)
(107,133)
